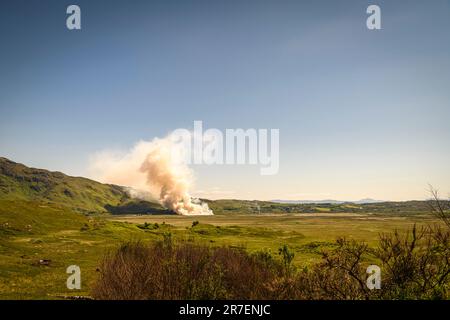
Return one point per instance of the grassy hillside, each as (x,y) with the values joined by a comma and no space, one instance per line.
(39,241)
(18,182)
(230,206)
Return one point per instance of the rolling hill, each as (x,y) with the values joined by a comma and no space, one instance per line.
(231,206)
(19,182)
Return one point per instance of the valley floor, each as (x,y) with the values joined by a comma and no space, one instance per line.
(35,253)
(270,231)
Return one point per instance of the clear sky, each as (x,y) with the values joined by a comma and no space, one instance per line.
(361,113)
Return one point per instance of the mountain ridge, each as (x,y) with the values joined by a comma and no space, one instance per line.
(19,182)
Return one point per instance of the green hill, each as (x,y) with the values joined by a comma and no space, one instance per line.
(19,182)
(232,206)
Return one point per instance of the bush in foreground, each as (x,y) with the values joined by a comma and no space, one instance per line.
(164,270)
(414,266)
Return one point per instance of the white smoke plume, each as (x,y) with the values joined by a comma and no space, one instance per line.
(152,169)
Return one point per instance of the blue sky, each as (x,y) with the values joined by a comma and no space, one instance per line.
(361,113)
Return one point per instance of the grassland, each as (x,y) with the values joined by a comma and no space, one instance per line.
(33,231)
(306,234)
(49,221)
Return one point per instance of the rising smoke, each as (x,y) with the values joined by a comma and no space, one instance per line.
(152,169)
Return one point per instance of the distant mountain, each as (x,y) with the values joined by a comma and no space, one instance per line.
(19,182)
(328,201)
(369,200)
(307,201)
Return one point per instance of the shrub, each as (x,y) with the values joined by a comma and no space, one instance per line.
(417,264)
(165,270)
(287,256)
(414,266)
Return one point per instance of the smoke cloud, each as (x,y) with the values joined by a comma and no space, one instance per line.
(152,170)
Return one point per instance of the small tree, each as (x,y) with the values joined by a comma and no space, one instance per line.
(287,256)
(439,207)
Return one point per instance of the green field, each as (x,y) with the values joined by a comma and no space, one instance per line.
(49,221)
(31,231)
